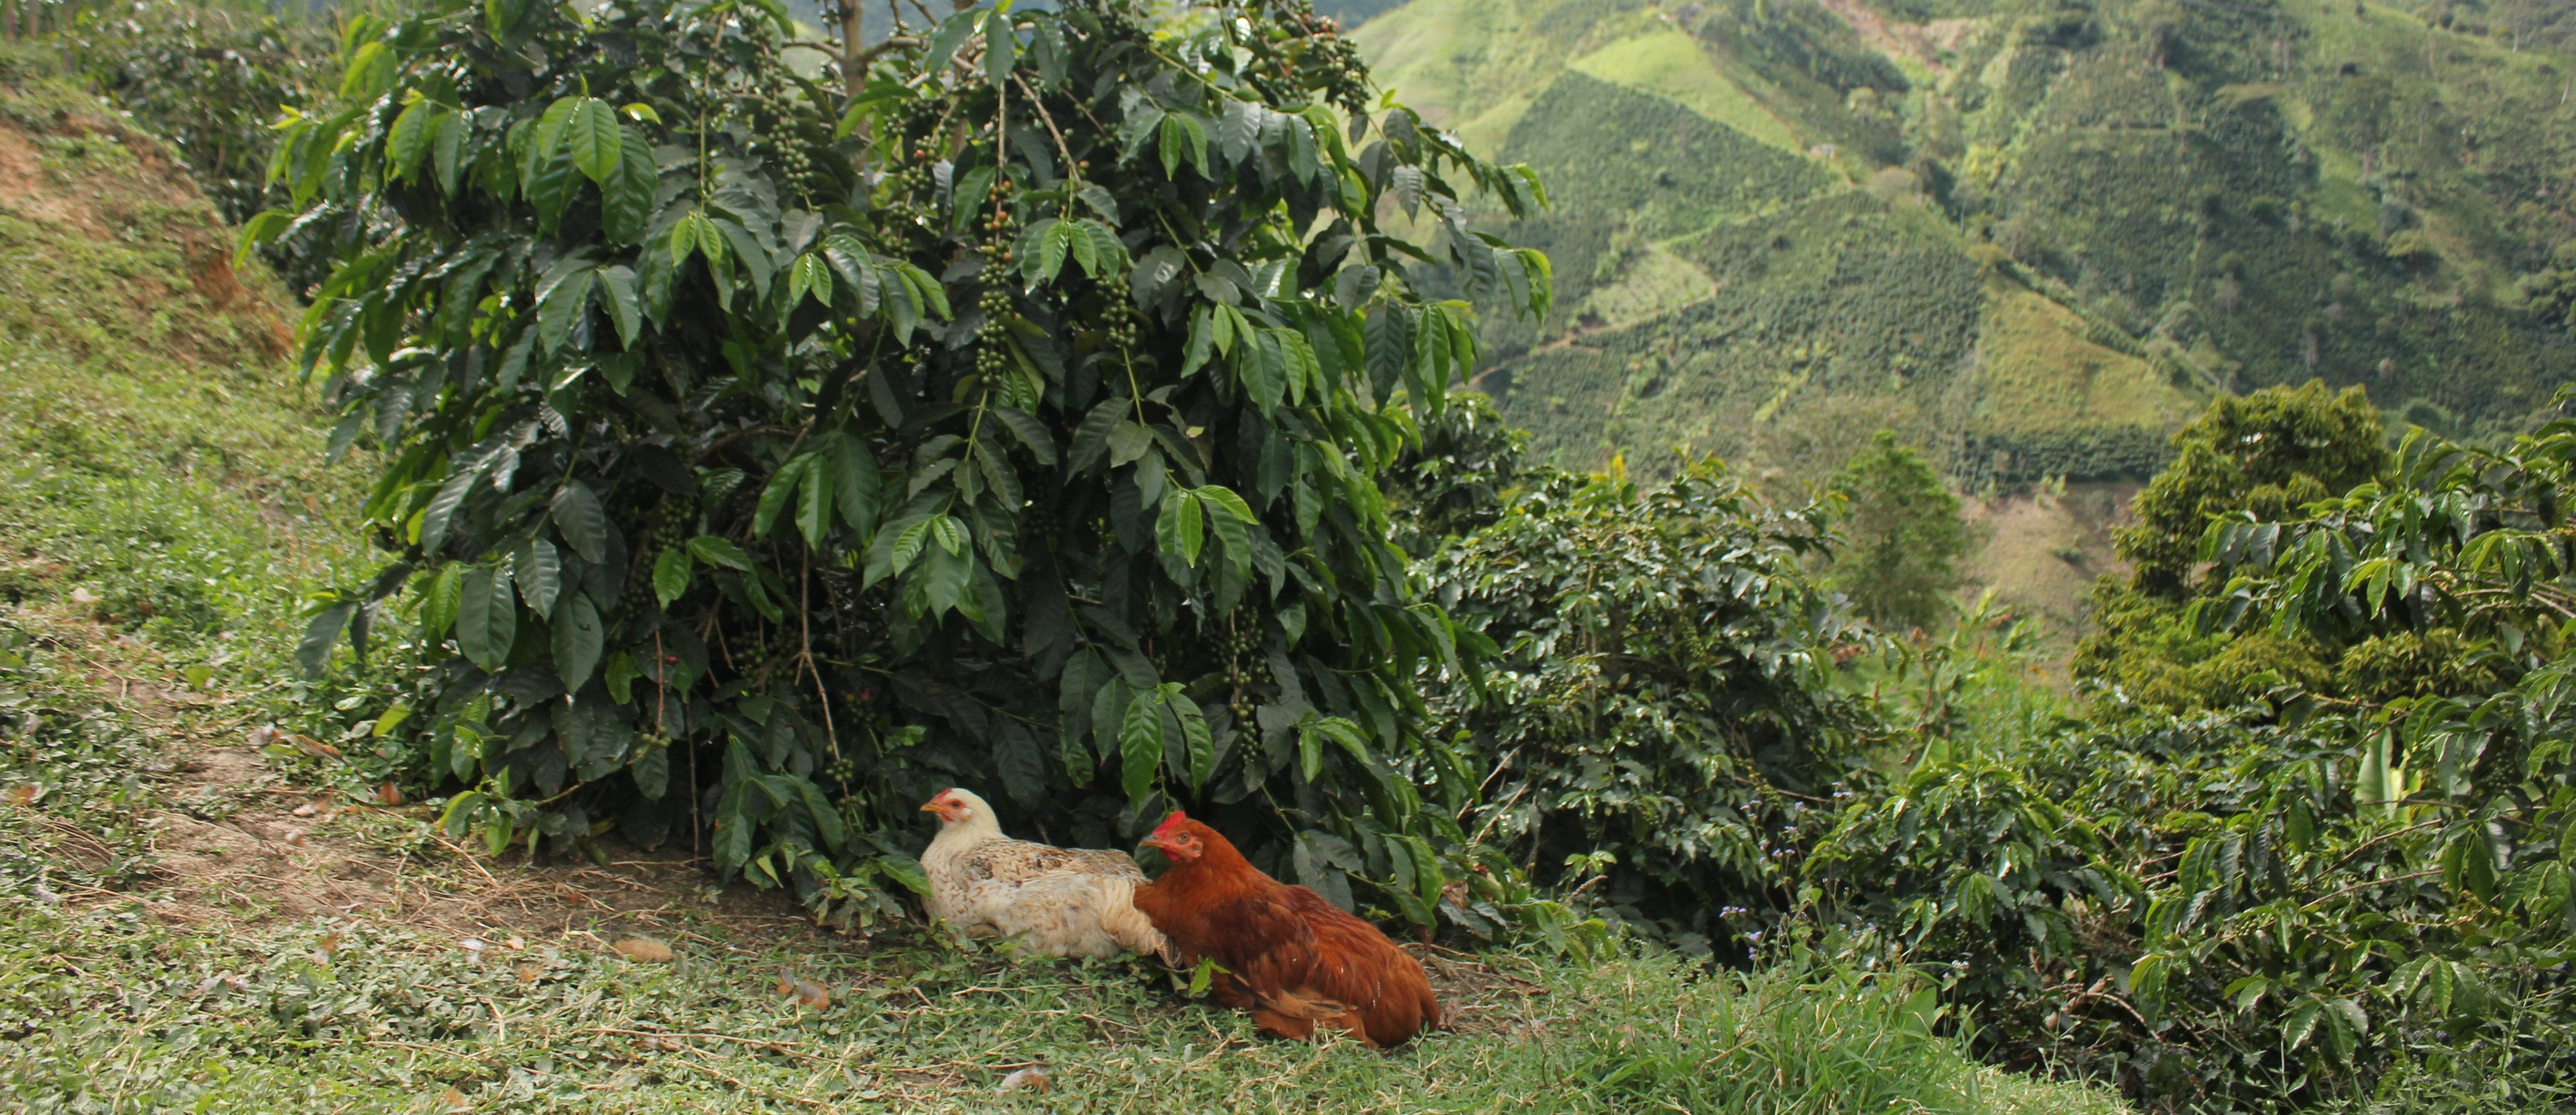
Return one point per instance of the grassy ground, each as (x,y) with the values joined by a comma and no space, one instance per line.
(202,908)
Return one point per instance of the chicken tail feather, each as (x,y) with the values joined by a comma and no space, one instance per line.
(1129,926)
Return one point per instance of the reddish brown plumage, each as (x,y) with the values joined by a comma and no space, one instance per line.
(1296,960)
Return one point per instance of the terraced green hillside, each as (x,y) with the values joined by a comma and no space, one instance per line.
(2030,234)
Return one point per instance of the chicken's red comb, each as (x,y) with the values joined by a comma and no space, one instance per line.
(1171,822)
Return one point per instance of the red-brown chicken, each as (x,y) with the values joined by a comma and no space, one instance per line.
(1293,959)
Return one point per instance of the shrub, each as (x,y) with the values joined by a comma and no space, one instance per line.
(1659,712)
(770,461)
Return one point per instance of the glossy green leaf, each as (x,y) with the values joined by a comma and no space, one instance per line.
(447,148)
(625,308)
(814,502)
(313,652)
(487,617)
(581,521)
(409,139)
(561,300)
(590,137)
(626,196)
(855,479)
(1001,47)
(578,638)
(811,277)
(716,551)
(1180,530)
(908,543)
(775,497)
(1198,745)
(672,573)
(539,573)
(1140,745)
(441,514)
(439,604)
(949,533)
(652,771)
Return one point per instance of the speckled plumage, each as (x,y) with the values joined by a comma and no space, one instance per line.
(1058,901)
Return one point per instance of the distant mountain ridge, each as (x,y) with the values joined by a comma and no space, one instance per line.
(2034,236)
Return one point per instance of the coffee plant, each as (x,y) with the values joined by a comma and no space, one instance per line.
(213,82)
(1659,714)
(210,81)
(2348,888)
(764,459)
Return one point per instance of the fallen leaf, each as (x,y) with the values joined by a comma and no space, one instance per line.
(645,949)
(1033,1078)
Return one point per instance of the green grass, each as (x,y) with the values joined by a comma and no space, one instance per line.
(2046,375)
(160,472)
(193,505)
(121,1014)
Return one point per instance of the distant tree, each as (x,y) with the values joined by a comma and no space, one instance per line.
(1905,537)
(1662,691)
(2267,452)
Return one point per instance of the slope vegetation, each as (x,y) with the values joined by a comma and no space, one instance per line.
(196,921)
(2031,235)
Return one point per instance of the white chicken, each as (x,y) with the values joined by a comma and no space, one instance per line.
(1057,901)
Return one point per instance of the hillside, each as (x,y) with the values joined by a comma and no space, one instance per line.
(195,921)
(2032,236)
